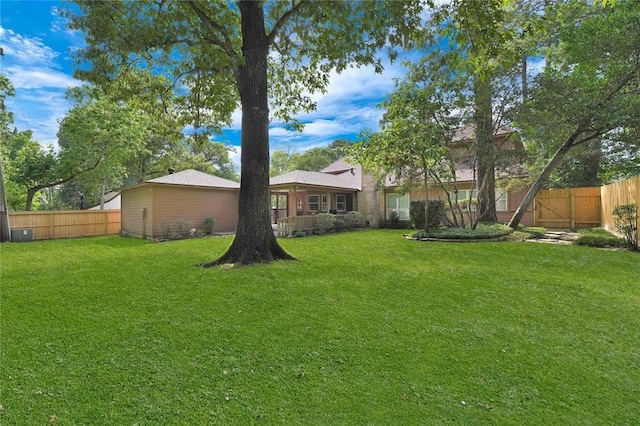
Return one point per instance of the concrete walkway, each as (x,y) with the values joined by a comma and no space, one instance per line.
(557,237)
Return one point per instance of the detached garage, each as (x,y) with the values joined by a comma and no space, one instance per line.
(158,207)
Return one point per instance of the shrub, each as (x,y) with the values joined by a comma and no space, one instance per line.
(437,214)
(523,233)
(625,217)
(166,231)
(324,221)
(394,219)
(209,222)
(353,219)
(338,223)
(481,232)
(597,237)
(536,232)
(299,234)
(183,229)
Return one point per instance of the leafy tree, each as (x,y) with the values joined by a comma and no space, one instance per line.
(218,55)
(281,162)
(421,118)
(481,49)
(588,91)
(314,159)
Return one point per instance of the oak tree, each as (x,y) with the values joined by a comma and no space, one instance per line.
(219,55)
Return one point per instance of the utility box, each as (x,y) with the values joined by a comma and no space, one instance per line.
(21,235)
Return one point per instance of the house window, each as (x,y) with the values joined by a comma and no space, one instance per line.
(313,203)
(341,202)
(501,200)
(325,202)
(464,195)
(398,203)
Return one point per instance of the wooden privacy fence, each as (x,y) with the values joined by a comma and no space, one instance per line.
(48,225)
(569,208)
(617,194)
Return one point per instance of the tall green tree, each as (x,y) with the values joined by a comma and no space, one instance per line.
(221,54)
(589,90)
(481,48)
(421,118)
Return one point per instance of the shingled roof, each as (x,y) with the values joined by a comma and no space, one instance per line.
(191,177)
(345,180)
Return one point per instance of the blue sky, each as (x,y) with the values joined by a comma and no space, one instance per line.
(37,58)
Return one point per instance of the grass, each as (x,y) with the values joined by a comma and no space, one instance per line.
(598,237)
(365,328)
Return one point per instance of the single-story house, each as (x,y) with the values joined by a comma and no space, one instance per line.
(303,193)
(159,207)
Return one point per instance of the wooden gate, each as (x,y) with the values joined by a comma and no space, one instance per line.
(570,208)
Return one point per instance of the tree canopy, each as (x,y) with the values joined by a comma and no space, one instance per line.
(217,56)
(587,92)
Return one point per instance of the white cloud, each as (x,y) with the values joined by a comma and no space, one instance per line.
(26,50)
(39,77)
(40,85)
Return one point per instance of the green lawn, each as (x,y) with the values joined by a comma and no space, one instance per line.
(365,328)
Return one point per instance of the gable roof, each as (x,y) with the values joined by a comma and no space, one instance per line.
(111,201)
(468,132)
(344,180)
(339,166)
(191,177)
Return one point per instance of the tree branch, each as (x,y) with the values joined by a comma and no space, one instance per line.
(225,41)
(283,19)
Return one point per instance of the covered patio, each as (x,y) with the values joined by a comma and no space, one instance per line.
(296,197)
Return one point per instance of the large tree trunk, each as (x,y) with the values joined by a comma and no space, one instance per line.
(485,151)
(255,240)
(537,184)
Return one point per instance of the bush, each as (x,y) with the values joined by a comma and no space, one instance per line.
(353,219)
(394,219)
(209,222)
(482,232)
(338,224)
(597,237)
(324,221)
(536,232)
(437,214)
(183,229)
(625,217)
(523,233)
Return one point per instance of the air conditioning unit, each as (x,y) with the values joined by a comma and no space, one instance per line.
(21,235)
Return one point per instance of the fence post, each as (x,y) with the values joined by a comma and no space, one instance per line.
(51,227)
(106,222)
(572,209)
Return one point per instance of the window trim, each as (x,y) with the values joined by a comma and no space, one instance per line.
(502,194)
(311,203)
(403,213)
(343,202)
